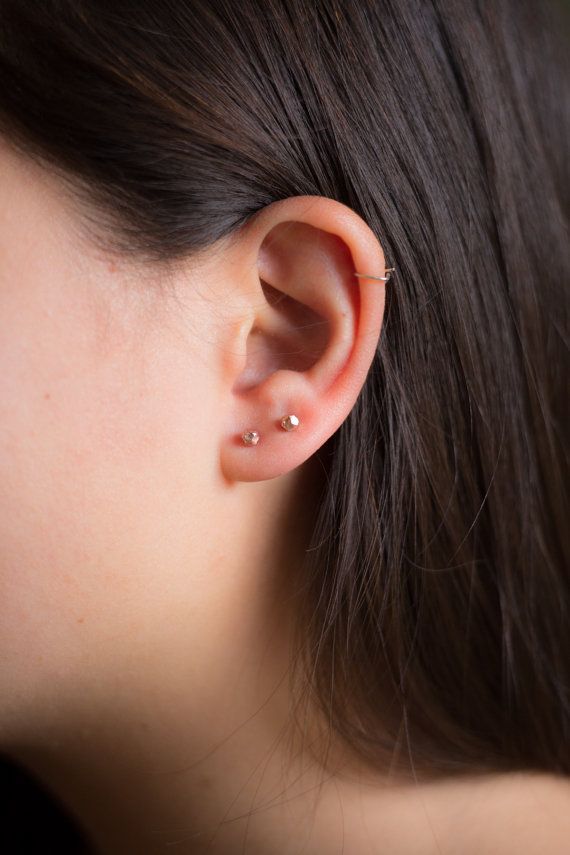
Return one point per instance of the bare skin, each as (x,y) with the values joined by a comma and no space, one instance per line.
(147,554)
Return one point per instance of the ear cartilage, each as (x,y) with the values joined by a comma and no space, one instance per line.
(289,422)
(250,437)
(388,271)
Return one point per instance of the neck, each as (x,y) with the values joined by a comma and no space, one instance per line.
(178,732)
(167,760)
(175,731)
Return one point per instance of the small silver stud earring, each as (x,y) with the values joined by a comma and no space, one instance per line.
(250,437)
(289,422)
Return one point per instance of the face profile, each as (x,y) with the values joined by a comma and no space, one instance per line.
(283,553)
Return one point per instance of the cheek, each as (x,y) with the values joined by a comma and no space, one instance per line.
(106,453)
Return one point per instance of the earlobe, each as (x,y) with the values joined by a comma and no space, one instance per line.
(315,275)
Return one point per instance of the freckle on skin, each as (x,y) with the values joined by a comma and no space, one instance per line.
(80,619)
(47,396)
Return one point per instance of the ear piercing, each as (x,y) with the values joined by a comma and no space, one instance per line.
(251,437)
(289,422)
(388,271)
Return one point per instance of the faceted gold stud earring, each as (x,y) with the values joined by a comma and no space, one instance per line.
(250,437)
(289,422)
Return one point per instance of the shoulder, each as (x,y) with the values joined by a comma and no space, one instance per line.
(525,812)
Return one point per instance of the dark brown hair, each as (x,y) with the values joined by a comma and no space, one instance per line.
(436,586)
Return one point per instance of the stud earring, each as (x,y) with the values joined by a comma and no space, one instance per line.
(289,422)
(250,437)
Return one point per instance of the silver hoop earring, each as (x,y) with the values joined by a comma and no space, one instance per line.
(388,271)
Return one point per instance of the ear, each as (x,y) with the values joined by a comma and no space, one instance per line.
(307,332)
